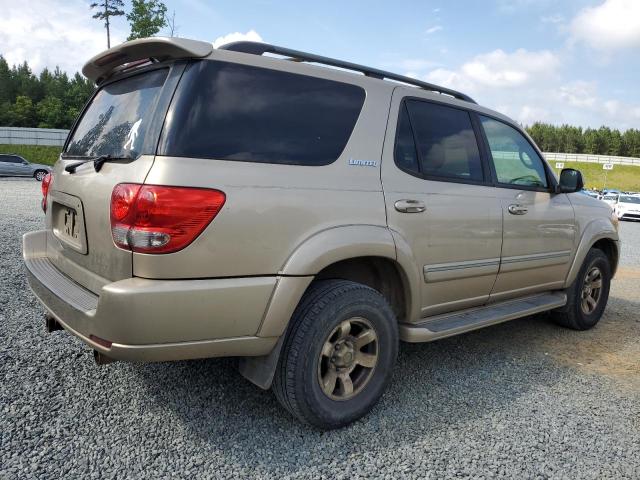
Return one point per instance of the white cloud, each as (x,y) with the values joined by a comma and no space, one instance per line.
(555,18)
(251,35)
(499,69)
(528,86)
(614,24)
(47,34)
(579,94)
(434,29)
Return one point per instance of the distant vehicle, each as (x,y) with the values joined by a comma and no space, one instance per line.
(610,198)
(627,207)
(590,193)
(12,165)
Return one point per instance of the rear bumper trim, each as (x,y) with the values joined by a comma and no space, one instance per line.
(62,286)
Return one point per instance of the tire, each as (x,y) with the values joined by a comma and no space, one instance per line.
(307,359)
(39,175)
(575,314)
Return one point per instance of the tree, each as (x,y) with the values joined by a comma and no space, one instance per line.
(171,25)
(146,18)
(23,112)
(50,112)
(106,10)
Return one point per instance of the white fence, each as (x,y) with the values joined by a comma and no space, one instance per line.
(583,157)
(32,136)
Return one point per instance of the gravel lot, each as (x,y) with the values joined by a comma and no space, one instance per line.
(525,399)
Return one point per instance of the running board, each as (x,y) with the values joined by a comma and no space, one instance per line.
(449,324)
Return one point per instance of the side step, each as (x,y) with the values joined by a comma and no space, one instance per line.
(449,324)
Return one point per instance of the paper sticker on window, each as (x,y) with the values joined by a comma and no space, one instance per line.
(133,135)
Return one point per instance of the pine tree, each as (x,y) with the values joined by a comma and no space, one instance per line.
(106,10)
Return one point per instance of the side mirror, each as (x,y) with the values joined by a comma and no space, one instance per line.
(570,181)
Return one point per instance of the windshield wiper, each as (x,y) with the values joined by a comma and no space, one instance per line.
(97,162)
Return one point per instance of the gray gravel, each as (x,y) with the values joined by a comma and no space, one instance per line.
(524,399)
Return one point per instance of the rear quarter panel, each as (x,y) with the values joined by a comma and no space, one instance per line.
(272,209)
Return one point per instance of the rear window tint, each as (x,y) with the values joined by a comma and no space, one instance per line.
(116,121)
(229,111)
(445,140)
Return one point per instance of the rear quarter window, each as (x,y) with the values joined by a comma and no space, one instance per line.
(230,111)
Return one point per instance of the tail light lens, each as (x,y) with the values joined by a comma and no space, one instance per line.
(161,219)
(45,185)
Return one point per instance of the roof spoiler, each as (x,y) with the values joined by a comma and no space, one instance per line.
(150,49)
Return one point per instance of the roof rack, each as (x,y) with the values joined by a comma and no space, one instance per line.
(258,48)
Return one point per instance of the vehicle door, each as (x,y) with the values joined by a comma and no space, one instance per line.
(8,165)
(438,203)
(539,224)
(23,168)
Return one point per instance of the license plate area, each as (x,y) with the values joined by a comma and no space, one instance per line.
(67,221)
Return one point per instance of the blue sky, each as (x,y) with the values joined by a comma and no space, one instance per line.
(570,61)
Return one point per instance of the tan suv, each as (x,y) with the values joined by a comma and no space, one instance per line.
(222,202)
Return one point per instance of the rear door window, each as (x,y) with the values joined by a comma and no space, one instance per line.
(229,111)
(443,141)
(117,119)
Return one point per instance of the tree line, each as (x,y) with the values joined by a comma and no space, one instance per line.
(49,100)
(601,141)
(52,99)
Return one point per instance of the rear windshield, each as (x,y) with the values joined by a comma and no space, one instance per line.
(117,118)
(229,111)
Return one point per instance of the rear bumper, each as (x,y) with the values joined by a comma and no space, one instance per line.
(154,320)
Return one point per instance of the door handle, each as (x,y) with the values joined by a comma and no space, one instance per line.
(410,206)
(516,209)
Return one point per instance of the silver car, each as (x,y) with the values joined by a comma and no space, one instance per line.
(12,165)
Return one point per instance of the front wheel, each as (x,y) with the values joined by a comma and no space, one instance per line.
(39,175)
(339,353)
(588,294)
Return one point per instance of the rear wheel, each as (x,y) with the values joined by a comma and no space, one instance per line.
(39,175)
(587,296)
(339,353)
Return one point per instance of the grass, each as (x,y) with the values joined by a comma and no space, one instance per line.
(622,177)
(34,153)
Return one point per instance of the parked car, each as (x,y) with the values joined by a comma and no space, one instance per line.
(12,165)
(610,198)
(627,207)
(222,202)
(590,193)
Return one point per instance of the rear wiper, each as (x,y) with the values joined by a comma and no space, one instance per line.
(97,162)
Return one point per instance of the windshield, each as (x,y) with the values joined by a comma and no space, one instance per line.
(609,197)
(117,119)
(626,199)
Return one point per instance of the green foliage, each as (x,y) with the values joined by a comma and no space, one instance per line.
(34,153)
(603,141)
(146,18)
(50,100)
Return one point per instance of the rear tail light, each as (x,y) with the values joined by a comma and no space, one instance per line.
(161,219)
(45,185)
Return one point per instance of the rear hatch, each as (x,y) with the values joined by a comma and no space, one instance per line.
(123,122)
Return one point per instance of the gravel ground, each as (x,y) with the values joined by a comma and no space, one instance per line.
(525,399)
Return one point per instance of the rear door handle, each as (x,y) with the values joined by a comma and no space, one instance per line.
(410,206)
(517,209)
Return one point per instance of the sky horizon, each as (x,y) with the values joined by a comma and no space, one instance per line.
(534,60)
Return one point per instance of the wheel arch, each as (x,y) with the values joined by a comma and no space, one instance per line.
(601,234)
(361,253)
